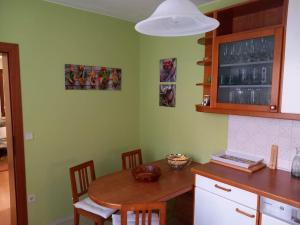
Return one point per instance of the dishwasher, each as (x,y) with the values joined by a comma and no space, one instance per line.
(277,213)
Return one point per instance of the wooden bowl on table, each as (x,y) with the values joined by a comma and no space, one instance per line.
(146,173)
(178,161)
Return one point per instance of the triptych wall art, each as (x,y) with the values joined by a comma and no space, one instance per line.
(167,88)
(81,77)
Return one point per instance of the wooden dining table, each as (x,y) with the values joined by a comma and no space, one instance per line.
(114,190)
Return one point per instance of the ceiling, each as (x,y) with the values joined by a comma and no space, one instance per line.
(130,10)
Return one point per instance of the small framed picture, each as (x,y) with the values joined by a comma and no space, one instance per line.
(167,95)
(168,69)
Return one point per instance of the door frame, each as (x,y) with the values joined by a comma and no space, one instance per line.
(19,200)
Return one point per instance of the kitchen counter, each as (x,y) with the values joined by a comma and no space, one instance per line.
(275,184)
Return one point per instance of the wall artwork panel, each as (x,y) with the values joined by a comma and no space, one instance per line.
(82,77)
(168,70)
(167,95)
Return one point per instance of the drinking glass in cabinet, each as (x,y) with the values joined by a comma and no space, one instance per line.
(245,71)
(255,76)
(242,94)
(244,76)
(264,75)
(247,51)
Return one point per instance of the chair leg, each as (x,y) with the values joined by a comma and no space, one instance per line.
(76,217)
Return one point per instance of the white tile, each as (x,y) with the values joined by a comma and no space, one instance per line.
(296,136)
(296,124)
(256,136)
(285,128)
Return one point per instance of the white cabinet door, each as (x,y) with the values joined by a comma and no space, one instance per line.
(227,191)
(291,76)
(267,220)
(211,209)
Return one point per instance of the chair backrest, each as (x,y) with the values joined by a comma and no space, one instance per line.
(81,177)
(134,159)
(145,211)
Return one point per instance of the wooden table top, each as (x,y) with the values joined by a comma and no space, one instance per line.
(275,184)
(119,188)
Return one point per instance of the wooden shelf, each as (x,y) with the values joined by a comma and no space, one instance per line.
(204,84)
(204,41)
(208,109)
(204,63)
(246,86)
(246,64)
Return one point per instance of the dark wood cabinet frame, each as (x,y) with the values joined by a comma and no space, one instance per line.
(2,94)
(19,196)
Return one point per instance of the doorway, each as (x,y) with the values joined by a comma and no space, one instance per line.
(13,205)
(4,172)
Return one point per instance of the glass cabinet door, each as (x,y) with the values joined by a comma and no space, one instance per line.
(245,71)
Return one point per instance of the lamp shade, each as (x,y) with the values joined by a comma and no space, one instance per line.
(176,18)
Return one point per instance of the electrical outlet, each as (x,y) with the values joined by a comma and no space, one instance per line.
(28,136)
(31,198)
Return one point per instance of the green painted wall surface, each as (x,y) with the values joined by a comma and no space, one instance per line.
(70,126)
(180,129)
(73,126)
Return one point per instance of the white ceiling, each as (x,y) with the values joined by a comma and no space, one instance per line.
(130,10)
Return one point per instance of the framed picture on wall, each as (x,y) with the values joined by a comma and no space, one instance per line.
(167,95)
(82,77)
(168,69)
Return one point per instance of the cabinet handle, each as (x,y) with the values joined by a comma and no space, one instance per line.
(273,107)
(222,188)
(244,213)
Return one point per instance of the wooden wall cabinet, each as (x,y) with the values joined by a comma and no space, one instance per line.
(244,60)
(247,68)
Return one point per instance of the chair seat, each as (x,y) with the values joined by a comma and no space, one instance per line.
(88,205)
(116,219)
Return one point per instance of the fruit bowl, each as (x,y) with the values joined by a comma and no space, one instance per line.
(146,173)
(178,161)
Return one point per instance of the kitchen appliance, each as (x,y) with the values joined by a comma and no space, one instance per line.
(277,213)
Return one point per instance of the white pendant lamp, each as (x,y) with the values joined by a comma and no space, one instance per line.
(176,18)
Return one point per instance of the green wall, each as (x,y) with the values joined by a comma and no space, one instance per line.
(70,126)
(180,129)
(73,126)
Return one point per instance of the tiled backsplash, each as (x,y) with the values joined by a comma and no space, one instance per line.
(255,136)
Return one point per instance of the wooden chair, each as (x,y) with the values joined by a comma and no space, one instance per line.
(134,159)
(142,214)
(84,174)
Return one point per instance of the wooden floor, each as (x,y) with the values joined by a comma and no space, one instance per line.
(4,199)
(3,164)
